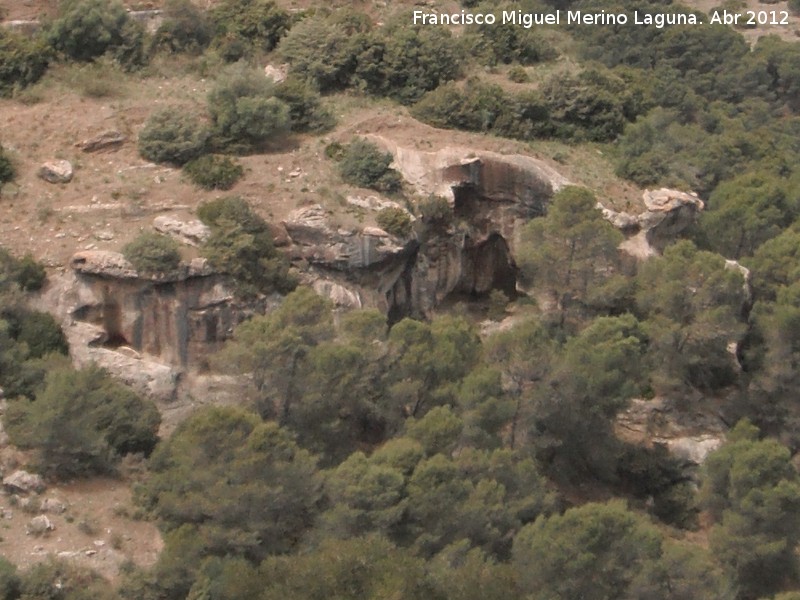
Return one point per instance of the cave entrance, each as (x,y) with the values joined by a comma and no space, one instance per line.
(112,323)
(489,266)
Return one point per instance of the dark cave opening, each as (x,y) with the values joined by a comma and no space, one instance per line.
(112,323)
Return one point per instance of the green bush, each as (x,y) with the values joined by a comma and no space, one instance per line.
(42,334)
(214,172)
(436,211)
(246,25)
(28,274)
(244,110)
(7,171)
(241,245)
(364,165)
(82,422)
(153,253)
(22,62)
(305,109)
(395,221)
(174,136)
(87,29)
(185,28)
(518,74)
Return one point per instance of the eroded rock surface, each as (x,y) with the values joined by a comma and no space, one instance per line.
(56,171)
(668,212)
(191,233)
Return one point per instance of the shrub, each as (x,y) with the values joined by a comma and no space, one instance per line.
(305,109)
(518,74)
(241,245)
(244,111)
(153,253)
(436,211)
(364,165)
(22,62)
(87,29)
(42,335)
(171,135)
(7,171)
(25,272)
(245,25)
(395,221)
(214,172)
(185,28)
(82,422)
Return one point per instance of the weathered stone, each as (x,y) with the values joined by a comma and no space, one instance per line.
(192,233)
(22,481)
(105,263)
(39,526)
(107,140)
(277,73)
(56,171)
(694,449)
(53,506)
(668,212)
(318,242)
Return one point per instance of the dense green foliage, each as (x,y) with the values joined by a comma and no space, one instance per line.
(22,62)
(241,245)
(153,253)
(306,112)
(365,165)
(7,171)
(172,135)
(753,492)
(87,29)
(243,26)
(245,113)
(185,28)
(82,422)
(214,172)
(342,49)
(395,221)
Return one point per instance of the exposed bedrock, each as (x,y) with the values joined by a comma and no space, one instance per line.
(490,196)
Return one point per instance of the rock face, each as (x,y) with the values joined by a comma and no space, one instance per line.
(145,330)
(191,233)
(107,140)
(490,196)
(668,212)
(319,242)
(56,171)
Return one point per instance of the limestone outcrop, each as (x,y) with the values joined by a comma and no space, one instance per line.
(321,243)
(56,171)
(146,330)
(667,213)
(191,233)
(490,196)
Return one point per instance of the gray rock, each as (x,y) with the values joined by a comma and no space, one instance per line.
(277,73)
(56,171)
(191,233)
(40,525)
(22,481)
(107,140)
(53,506)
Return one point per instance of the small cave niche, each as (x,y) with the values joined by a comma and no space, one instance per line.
(466,201)
(489,266)
(112,323)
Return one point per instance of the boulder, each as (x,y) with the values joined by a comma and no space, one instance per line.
(277,73)
(40,525)
(56,171)
(53,506)
(113,265)
(107,140)
(24,482)
(191,233)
